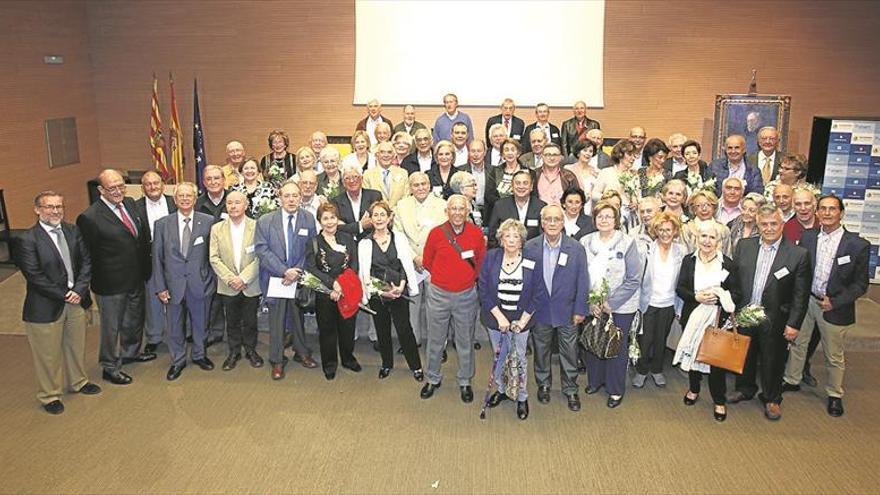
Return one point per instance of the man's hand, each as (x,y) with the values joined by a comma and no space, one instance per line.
(577,319)
(72,297)
(365,221)
(236,283)
(825,304)
(164,296)
(417,261)
(292,275)
(790,333)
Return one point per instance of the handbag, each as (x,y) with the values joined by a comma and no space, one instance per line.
(305,297)
(724,349)
(602,337)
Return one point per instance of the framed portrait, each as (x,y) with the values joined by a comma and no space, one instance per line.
(746,115)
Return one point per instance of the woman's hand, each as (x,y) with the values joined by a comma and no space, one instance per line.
(503,324)
(596,310)
(706,297)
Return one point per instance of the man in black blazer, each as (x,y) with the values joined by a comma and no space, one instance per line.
(355,198)
(775,274)
(151,207)
(374,116)
(840,276)
(513,125)
(576,128)
(422,159)
(119,244)
(55,262)
(551,132)
(521,205)
(478,166)
(213,202)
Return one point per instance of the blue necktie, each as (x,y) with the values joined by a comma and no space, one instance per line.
(290,239)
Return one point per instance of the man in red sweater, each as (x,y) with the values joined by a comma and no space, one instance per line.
(453,254)
(804,215)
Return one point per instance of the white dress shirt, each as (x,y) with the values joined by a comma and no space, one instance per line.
(155,211)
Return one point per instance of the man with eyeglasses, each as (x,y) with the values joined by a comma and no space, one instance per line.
(55,262)
(422,159)
(766,158)
(551,179)
(638,137)
(119,244)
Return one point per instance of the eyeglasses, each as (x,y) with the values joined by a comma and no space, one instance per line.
(52,207)
(604,217)
(120,187)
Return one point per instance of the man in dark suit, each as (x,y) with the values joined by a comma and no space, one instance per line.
(55,262)
(374,116)
(151,207)
(478,166)
(558,304)
(575,129)
(354,202)
(280,243)
(767,159)
(521,205)
(119,244)
(513,125)
(422,159)
(775,274)
(551,132)
(675,162)
(213,202)
(840,276)
(184,278)
(601,159)
(735,164)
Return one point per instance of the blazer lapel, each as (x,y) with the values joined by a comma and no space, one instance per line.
(749,277)
(48,241)
(778,262)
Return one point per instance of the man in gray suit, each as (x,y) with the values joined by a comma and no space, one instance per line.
(280,242)
(184,279)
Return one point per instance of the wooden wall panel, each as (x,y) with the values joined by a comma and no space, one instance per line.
(33,92)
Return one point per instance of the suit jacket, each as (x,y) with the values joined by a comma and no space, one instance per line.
(517,126)
(140,205)
(571,283)
(848,279)
(585,222)
(603,160)
(271,247)
(401,127)
(490,192)
(706,173)
(685,286)
(417,223)
(176,273)
(362,124)
(759,155)
(487,287)
(506,208)
(411,163)
(206,206)
(222,256)
(555,136)
(754,182)
(398,179)
(529,161)
(43,270)
(119,260)
(569,134)
(347,214)
(787,289)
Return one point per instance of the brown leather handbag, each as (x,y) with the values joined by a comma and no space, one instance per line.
(724,348)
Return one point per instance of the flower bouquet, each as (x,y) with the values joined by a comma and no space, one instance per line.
(378,286)
(750,316)
(599,295)
(310,281)
(275,174)
(696,183)
(266,205)
(330,191)
(654,184)
(630,183)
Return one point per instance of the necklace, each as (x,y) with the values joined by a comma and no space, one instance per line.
(513,262)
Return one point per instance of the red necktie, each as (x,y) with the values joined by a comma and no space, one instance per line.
(507,124)
(126,221)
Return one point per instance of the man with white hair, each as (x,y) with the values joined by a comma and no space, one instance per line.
(512,125)
(234,158)
(497,135)
(675,162)
(409,124)
(374,116)
(317,143)
(422,159)
(542,122)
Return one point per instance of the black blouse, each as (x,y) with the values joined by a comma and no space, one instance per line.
(386,266)
(327,263)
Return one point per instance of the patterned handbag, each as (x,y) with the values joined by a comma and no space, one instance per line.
(602,337)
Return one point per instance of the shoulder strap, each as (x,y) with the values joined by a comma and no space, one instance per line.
(455,244)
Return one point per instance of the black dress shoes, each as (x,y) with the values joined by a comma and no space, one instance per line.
(835,406)
(574,403)
(497,398)
(419,375)
(384,372)
(89,389)
(719,416)
(231,361)
(612,402)
(204,363)
(174,372)
(787,387)
(54,407)
(355,366)
(467,394)
(140,358)
(150,348)
(809,380)
(116,377)
(428,390)
(254,358)
(544,394)
(329,375)
(522,409)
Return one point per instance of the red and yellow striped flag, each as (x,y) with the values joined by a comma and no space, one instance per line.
(157,141)
(176,138)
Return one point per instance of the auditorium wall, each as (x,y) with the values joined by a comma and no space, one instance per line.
(290,65)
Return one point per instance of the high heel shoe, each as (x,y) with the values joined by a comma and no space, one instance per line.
(384,372)
(419,375)
(720,416)
(689,401)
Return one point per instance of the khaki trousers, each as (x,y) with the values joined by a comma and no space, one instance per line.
(59,350)
(833,344)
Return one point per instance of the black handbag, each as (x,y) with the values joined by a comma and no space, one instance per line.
(305,297)
(602,337)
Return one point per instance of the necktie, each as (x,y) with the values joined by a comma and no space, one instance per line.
(768,168)
(290,239)
(186,237)
(65,253)
(125,220)
(507,124)
(386,181)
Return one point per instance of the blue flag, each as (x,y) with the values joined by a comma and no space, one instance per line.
(198,137)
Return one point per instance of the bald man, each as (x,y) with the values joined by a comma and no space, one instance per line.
(734,164)
(409,124)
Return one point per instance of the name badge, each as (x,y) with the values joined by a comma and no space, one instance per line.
(843,260)
(224,215)
(199,240)
(517,136)
(724,274)
(781,273)
(249,249)
(527,263)
(467,254)
(438,190)
(304,232)
(555,134)
(531,222)
(563,259)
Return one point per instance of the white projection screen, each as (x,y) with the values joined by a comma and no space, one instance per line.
(484,51)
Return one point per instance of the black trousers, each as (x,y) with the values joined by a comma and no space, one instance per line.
(216,320)
(398,311)
(656,323)
(334,332)
(717,384)
(768,351)
(241,320)
(811,348)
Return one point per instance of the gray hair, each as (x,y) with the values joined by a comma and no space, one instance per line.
(459,179)
(329,152)
(511,224)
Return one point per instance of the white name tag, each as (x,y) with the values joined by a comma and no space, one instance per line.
(531,222)
(304,232)
(781,273)
(563,259)
(724,274)
(467,254)
(224,215)
(516,136)
(437,190)
(556,135)
(843,260)
(249,249)
(530,264)
(199,240)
